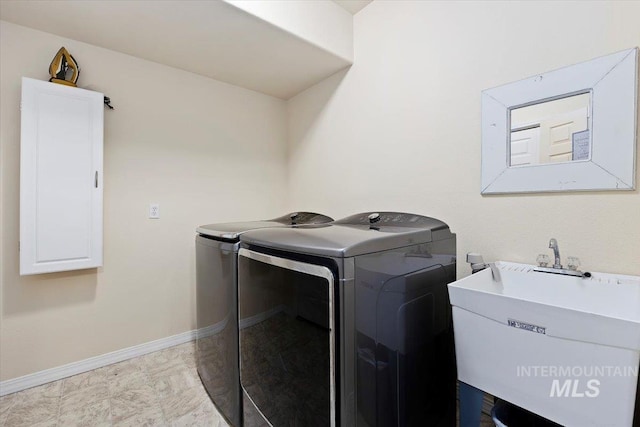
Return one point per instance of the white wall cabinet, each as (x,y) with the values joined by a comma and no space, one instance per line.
(60,178)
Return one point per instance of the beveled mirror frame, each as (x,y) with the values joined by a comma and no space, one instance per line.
(613,83)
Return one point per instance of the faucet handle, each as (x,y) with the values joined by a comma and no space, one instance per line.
(573,263)
(543,260)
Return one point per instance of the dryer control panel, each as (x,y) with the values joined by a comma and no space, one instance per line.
(295,218)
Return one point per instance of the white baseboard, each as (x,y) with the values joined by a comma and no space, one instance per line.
(57,373)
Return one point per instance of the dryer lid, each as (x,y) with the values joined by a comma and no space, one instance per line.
(232,230)
(358,234)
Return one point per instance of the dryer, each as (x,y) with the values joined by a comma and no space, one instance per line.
(348,323)
(216,301)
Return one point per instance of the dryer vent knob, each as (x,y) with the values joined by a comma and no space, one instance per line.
(374,217)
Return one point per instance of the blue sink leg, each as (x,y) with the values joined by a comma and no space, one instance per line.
(470,405)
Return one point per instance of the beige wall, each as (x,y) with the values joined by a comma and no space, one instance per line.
(204,150)
(401,129)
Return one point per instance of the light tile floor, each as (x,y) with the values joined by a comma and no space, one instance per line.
(158,389)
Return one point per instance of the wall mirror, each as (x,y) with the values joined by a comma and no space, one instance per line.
(566,130)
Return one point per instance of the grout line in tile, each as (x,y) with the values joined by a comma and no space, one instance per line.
(149,383)
(106,380)
(60,393)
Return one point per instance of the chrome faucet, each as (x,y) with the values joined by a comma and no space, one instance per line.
(553,244)
(557,268)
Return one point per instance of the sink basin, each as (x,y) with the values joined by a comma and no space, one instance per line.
(566,348)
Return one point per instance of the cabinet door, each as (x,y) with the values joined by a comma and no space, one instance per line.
(60,178)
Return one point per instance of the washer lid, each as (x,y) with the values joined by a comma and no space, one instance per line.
(355,235)
(232,230)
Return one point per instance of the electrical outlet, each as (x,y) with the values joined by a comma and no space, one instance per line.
(154,211)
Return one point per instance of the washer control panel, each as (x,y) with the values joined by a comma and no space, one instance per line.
(392,219)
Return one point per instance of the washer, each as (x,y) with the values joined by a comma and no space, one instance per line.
(348,323)
(216,298)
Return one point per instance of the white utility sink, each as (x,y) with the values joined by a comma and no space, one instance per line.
(567,348)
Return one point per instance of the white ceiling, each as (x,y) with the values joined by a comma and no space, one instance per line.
(353,6)
(211,38)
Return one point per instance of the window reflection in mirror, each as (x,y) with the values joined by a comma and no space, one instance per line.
(551,131)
